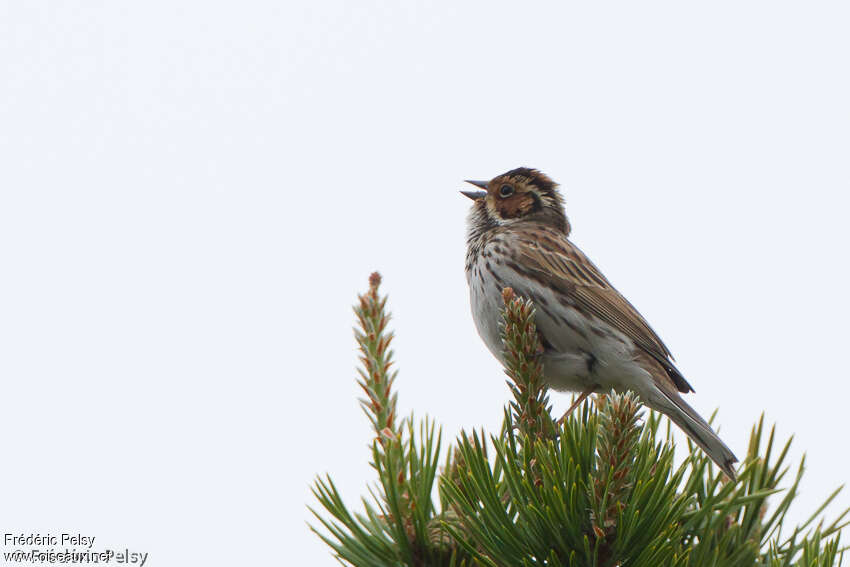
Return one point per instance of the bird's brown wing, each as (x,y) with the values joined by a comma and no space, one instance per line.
(559,261)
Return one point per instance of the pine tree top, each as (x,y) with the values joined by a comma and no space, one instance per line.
(600,489)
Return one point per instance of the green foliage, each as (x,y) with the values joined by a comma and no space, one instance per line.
(530,408)
(601,489)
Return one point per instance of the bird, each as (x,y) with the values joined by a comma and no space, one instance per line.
(593,340)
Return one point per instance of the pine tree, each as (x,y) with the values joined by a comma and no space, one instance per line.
(602,489)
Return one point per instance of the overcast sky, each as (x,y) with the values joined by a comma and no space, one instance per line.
(192,194)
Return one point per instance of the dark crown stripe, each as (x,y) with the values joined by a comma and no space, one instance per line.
(535,177)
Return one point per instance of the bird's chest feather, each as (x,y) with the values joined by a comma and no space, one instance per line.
(563,331)
(485,298)
(579,349)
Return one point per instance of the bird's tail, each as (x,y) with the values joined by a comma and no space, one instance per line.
(683,415)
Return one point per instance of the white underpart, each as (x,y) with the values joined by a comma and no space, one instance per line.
(565,365)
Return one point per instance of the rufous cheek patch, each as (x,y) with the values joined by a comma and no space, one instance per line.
(516,206)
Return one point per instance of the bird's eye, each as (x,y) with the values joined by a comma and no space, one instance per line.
(506,191)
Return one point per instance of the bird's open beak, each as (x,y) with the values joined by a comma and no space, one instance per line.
(475,195)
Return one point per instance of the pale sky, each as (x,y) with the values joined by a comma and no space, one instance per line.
(192,194)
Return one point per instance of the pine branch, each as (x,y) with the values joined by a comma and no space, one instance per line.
(401,526)
(616,449)
(601,490)
(531,408)
(376,379)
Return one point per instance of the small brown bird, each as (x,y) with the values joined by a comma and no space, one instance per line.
(593,338)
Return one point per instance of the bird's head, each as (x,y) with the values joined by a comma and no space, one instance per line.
(521,194)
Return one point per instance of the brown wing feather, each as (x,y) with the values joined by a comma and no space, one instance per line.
(552,254)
